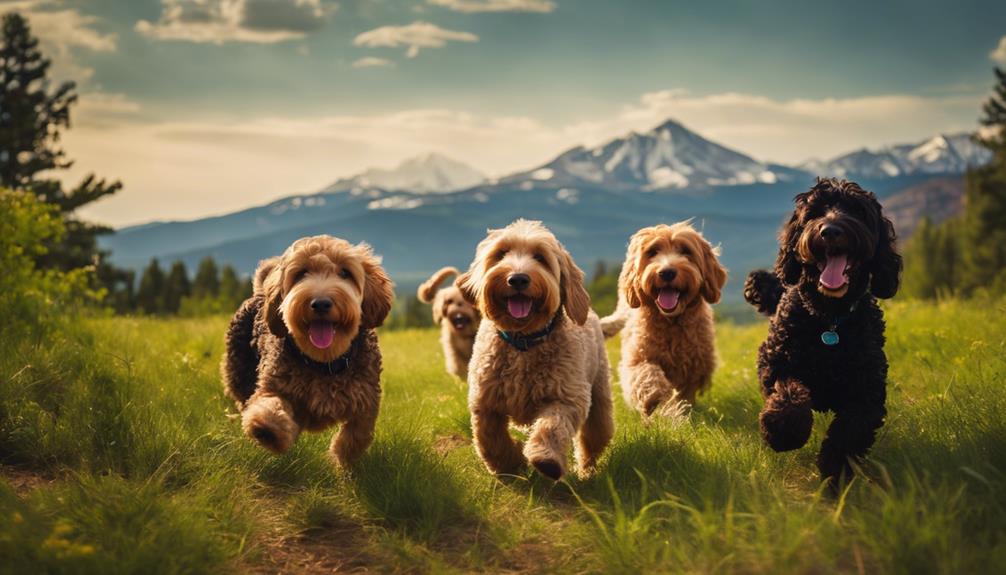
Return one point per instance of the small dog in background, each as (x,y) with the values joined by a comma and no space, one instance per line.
(825,347)
(539,357)
(670,277)
(302,352)
(458,320)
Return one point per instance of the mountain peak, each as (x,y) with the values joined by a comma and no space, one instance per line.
(430,173)
(667,156)
(942,153)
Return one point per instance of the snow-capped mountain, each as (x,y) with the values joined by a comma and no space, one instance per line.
(942,154)
(428,174)
(668,156)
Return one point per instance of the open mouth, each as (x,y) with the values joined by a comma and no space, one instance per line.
(834,280)
(321,333)
(518,306)
(667,299)
(460,321)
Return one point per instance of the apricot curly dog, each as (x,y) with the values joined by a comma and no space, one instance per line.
(458,320)
(539,357)
(670,276)
(302,352)
(825,347)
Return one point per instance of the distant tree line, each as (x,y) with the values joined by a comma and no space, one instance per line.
(967,254)
(212,290)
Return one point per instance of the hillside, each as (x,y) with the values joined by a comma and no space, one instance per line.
(119,453)
(594,199)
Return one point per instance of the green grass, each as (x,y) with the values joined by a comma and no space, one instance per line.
(119,455)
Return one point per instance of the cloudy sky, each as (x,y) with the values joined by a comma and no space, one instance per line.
(207,106)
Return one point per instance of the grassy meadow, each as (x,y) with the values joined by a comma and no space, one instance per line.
(120,454)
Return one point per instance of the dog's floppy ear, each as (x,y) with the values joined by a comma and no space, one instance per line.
(714,275)
(627,279)
(466,285)
(269,282)
(438,309)
(575,298)
(787,266)
(885,267)
(378,291)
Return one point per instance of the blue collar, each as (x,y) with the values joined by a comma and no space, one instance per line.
(523,342)
(334,367)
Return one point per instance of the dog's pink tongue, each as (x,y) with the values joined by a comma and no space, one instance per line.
(668,298)
(519,306)
(321,334)
(833,274)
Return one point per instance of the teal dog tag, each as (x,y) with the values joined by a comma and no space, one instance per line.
(829,337)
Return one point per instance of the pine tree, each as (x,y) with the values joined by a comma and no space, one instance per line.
(984,259)
(207,282)
(230,288)
(176,287)
(150,295)
(32,119)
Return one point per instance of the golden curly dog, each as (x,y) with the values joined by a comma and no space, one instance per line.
(539,357)
(302,352)
(669,278)
(458,320)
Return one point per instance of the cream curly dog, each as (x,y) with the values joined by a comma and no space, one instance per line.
(458,320)
(539,356)
(669,278)
(302,351)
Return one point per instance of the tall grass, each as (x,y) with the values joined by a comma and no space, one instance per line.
(120,453)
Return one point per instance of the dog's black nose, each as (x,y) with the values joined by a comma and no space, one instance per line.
(321,305)
(668,274)
(518,281)
(830,232)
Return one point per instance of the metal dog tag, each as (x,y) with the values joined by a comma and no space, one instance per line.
(829,337)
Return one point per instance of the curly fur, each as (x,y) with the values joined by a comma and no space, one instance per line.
(798,372)
(458,320)
(559,387)
(668,356)
(278,393)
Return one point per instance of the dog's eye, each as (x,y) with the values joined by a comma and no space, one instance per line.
(345,274)
(299,276)
(449,302)
(652,252)
(685,251)
(539,258)
(500,255)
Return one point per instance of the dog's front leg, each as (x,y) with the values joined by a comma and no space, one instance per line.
(269,420)
(645,387)
(494,444)
(787,418)
(353,438)
(551,437)
(850,436)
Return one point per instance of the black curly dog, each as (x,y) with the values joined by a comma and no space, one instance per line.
(825,348)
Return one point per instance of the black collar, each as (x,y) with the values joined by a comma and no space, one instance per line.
(334,367)
(522,342)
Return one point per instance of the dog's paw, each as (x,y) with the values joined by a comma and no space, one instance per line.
(787,419)
(269,423)
(548,467)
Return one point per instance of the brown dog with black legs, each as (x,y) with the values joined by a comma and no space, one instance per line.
(539,357)
(302,352)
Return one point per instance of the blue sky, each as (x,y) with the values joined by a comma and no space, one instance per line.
(206,106)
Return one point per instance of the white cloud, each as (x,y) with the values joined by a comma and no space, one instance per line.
(63,32)
(372,62)
(417,35)
(999,54)
(183,169)
(252,21)
(470,6)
